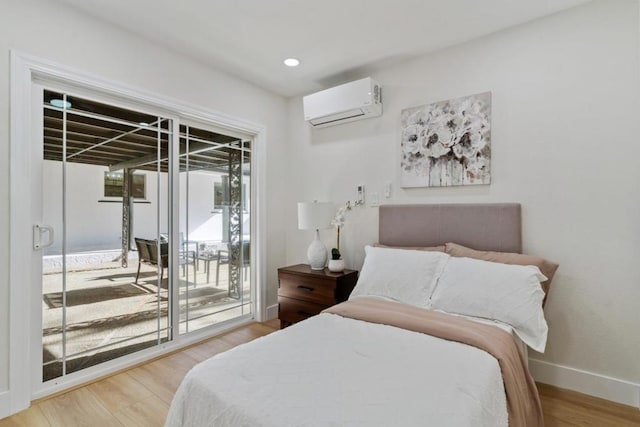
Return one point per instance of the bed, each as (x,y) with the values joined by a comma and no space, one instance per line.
(371,362)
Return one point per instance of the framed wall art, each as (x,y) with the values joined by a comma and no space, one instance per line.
(447,143)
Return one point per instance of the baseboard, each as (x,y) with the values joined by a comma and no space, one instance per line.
(272,312)
(602,386)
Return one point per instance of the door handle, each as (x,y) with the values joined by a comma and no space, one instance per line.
(38,229)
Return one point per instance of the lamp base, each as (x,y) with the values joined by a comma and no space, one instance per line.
(317,254)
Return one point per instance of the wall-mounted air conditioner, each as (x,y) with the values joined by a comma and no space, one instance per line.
(356,100)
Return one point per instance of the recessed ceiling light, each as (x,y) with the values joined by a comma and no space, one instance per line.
(60,103)
(291,62)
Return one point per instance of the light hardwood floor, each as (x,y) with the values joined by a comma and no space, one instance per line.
(141,396)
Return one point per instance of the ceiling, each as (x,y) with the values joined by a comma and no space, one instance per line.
(336,40)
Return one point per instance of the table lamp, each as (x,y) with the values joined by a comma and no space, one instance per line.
(315,216)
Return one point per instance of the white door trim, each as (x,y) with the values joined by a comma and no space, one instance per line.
(25,69)
(20,279)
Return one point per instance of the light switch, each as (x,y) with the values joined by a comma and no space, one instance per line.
(373,199)
(360,198)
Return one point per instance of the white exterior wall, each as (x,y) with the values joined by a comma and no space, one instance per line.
(95,222)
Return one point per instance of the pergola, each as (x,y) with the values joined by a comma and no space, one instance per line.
(83,131)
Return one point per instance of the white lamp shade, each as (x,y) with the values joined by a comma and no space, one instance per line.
(315,215)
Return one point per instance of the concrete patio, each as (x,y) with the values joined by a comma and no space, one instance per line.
(108,315)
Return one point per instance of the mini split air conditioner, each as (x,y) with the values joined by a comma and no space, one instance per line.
(357,100)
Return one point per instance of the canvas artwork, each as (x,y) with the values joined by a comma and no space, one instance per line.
(447,143)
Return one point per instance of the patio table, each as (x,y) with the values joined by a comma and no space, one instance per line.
(207,257)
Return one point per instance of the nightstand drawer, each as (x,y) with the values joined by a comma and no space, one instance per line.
(307,288)
(303,292)
(293,310)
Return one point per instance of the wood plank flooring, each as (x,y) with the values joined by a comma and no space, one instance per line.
(569,408)
(141,396)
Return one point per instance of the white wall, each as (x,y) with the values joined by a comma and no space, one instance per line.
(94,222)
(51,30)
(565,144)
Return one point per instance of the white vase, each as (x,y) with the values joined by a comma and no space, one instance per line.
(317,254)
(336,265)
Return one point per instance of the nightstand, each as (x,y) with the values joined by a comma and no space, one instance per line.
(303,292)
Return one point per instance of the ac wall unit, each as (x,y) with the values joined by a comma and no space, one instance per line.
(352,101)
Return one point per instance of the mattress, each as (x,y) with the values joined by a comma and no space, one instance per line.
(336,371)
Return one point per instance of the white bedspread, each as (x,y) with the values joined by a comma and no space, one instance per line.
(334,371)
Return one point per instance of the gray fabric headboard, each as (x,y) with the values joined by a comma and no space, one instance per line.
(482,226)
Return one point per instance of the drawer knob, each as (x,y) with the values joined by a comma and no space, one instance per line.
(305,288)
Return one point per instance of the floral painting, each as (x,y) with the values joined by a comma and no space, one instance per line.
(447,143)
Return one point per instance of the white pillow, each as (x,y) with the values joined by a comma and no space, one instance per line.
(402,275)
(510,294)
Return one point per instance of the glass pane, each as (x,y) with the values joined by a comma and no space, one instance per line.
(103,297)
(211,197)
(247,294)
(52,260)
(164,289)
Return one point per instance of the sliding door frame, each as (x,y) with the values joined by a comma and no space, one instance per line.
(25,284)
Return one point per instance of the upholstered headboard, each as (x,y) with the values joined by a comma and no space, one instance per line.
(482,226)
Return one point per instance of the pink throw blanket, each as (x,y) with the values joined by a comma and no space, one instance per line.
(523,402)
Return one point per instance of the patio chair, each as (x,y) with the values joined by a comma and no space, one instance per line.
(184,246)
(144,256)
(148,254)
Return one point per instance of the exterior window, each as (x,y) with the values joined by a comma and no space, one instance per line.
(113,185)
(221,193)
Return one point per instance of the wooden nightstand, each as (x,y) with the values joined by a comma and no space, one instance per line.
(303,292)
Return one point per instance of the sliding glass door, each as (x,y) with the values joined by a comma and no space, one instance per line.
(141,242)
